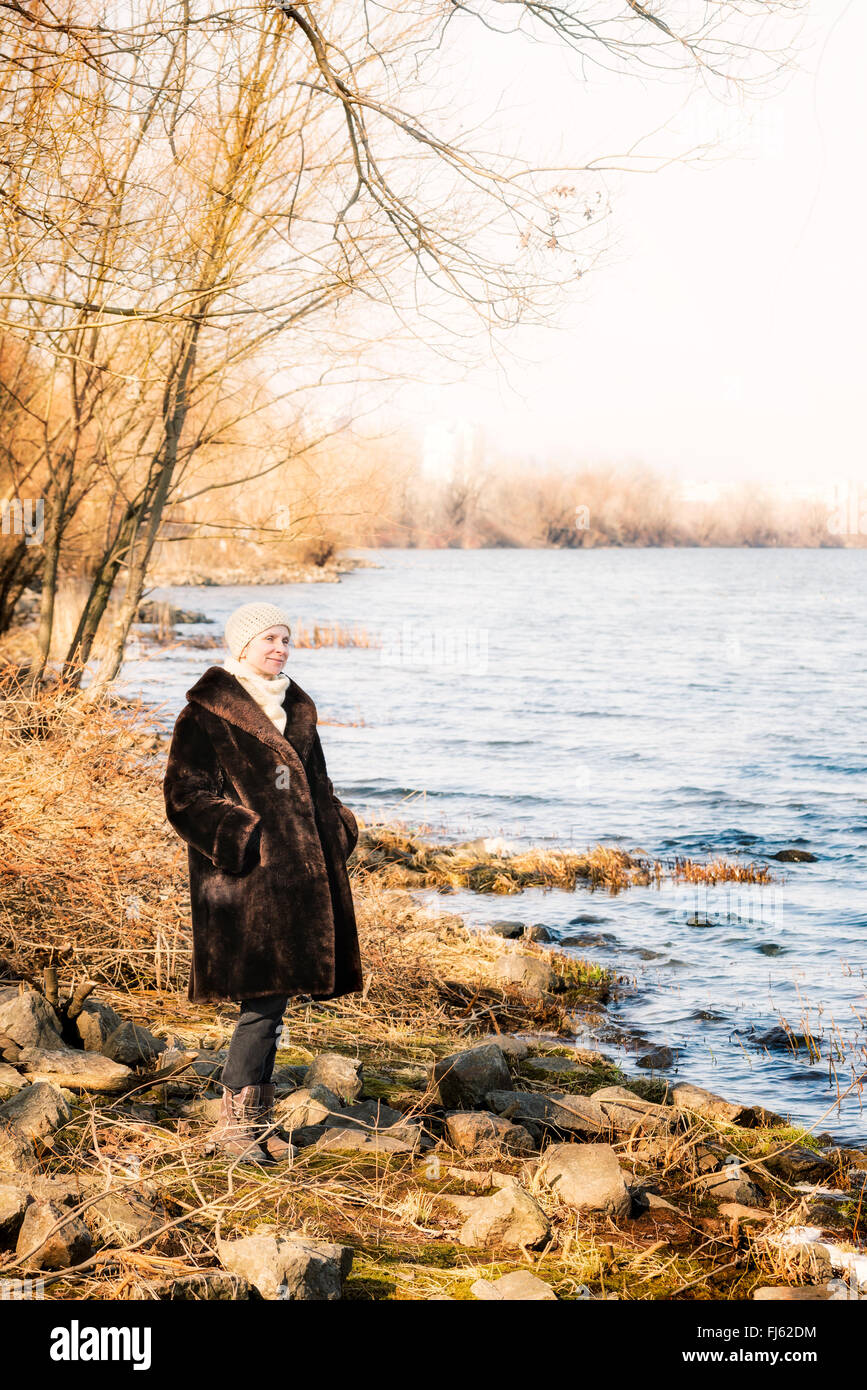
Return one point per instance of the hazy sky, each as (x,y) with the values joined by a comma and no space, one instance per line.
(723,335)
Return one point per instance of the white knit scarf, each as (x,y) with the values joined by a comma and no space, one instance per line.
(267,691)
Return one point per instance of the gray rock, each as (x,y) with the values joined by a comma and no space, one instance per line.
(69,1245)
(709,1105)
(464,1079)
(309,1105)
(306,1135)
(377,1141)
(780,1040)
(529,973)
(197,1062)
(320,1116)
(342,1075)
(199,1108)
(123,1217)
(627,1111)
(658,1059)
(35,1186)
(37,1111)
(77,1070)
(132,1045)
(799,1164)
(375,1115)
(95,1024)
(652,1200)
(13,1204)
(557,1110)
(756,1115)
(17,1154)
(538,932)
(507,1219)
(367,1114)
(708,1157)
(509,930)
(11,1081)
(480,1131)
(508,1044)
(289,1267)
(29,1020)
(521,1286)
(729,1184)
(587,1177)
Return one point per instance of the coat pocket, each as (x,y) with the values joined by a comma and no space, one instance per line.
(236,843)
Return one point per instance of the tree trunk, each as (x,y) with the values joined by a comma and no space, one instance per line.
(16,572)
(97,600)
(51,560)
(177,403)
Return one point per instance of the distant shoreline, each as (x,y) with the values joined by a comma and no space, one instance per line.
(333,570)
(300,572)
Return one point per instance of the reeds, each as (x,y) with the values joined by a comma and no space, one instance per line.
(402,858)
(332,635)
(159,628)
(94,881)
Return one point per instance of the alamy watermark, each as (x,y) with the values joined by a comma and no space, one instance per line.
(77,1343)
(847,508)
(21,1290)
(23,516)
(430,647)
(711,904)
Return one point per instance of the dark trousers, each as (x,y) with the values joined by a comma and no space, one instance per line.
(254,1042)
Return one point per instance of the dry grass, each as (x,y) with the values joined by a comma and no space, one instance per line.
(720,871)
(94,879)
(399,857)
(332,635)
(161,619)
(389,1210)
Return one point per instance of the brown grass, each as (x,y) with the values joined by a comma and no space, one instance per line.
(400,857)
(93,878)
(161,631)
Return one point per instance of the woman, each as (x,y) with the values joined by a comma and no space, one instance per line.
(246,787)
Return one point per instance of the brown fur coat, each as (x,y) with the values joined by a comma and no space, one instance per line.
(267,842)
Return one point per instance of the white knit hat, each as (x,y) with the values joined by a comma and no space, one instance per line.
(248,621)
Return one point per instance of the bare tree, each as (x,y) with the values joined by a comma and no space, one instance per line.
(197,193)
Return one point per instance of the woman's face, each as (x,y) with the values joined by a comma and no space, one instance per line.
(267,652)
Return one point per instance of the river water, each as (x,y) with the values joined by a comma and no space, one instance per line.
(676,702)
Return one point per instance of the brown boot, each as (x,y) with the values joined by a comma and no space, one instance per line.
(271,1137)
(237,1131)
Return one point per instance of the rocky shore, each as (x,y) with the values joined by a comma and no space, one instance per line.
(508,1164)
(450,1139)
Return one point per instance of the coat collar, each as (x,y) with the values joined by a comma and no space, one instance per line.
(223,694)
